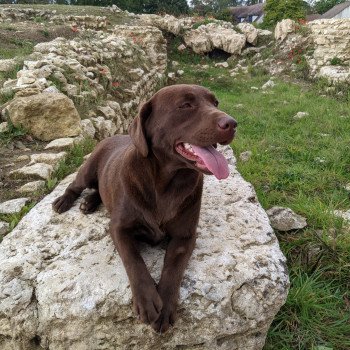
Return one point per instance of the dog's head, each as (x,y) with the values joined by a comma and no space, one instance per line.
(182,124)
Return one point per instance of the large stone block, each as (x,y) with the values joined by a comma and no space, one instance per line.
(45,116)
(63,285)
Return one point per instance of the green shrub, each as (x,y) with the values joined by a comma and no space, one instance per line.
(276,10)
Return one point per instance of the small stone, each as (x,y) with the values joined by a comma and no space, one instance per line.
(343,214)
(25,80)
(347,187)
(239,105)
(221,64)
(20,145)
(35,171)
(51,90)
(22,158)
(180,72)
(4,228)
(104,128)
(171,75)
(107,112)
(27,92)
(3,127)
(268,85)
(71,89)
(61,144)
(13,206)
(301,115)
(87,128)
(174,63)
(245,156)
(181,47)
(32,186)
(48,158)
(320,160)
(254,88)
(284,219)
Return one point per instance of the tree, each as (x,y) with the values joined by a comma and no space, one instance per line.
(276,10)
(203,7)
(322,6)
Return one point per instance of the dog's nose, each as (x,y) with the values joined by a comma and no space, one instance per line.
(227,123)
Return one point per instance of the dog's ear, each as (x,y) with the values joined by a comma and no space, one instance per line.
(137,130)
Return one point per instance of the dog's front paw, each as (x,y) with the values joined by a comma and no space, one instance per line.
(148,305)
(166,319)
(62,204)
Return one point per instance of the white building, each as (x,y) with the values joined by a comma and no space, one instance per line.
(338,11)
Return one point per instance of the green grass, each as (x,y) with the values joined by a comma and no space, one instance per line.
(11,133)
(302,164)
(19,48)
(71,162)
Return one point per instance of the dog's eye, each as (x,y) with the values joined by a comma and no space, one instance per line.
(216,103)
(185,105)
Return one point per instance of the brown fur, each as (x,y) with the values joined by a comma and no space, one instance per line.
(151,191)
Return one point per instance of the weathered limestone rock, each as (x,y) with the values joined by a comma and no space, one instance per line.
(45,116)
(283,28)
(245,156)
(64,285)
(268,85)
(7,65)
(331,57)
(208,37)
(13,206)
(301,115)
(60,144)
(35,171)
(87,128)
(335,73)
(32,186)
(104,128)
(345,214)
(3,126)
(250,32)
(168,23)
(284,219)
(48,158)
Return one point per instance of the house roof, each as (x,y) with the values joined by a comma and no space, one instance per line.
(245,11)
(313,17)
(336,9)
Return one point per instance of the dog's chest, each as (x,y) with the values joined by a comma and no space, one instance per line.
(167,207)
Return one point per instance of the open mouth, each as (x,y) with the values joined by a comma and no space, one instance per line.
(207,159)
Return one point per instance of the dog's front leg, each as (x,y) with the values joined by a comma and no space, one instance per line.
(176,259)
(147,303)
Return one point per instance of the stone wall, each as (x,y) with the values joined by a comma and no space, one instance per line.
(11,15)
(331,57)
(107,75)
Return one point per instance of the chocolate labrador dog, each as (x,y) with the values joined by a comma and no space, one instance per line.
(151,183)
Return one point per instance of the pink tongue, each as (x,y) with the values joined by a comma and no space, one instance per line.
(213,160)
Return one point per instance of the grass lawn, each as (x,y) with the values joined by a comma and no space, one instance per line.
(303,164)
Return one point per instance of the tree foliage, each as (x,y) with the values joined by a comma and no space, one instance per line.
(276,10)
(322,6)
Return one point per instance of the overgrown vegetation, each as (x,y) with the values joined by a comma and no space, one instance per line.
(302,164)
(11,133)
(276,10)
(71,162)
